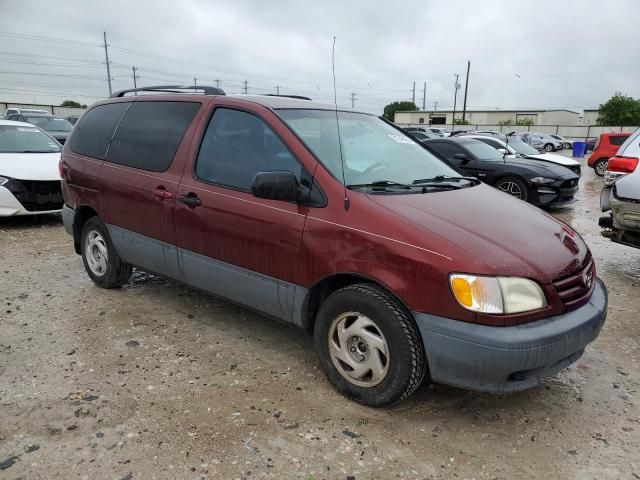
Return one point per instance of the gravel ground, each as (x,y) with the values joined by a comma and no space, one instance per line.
(156,380)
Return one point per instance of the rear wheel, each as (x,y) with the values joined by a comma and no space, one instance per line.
(548,147)
(369,346)
(513,186)
(600,167)
(101,261)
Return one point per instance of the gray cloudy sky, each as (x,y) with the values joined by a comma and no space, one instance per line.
(536,54)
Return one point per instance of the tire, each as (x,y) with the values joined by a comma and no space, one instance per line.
(548,147)
(101,261)
(513,186)
(366,313)
(600,166)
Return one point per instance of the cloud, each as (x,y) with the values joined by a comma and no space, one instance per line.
(572,54)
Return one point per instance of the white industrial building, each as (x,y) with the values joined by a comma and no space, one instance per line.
(496,117)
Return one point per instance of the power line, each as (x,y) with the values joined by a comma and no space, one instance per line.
(48,39)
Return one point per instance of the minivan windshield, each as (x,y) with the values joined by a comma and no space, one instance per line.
(26,139)
(373,151)
(50,124)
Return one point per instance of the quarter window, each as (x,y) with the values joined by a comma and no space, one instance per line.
(617,139)
(236,146)
(92,134)
(150,133)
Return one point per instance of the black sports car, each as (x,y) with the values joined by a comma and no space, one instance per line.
(542,184)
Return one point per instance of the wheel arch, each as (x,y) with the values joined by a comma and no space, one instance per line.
(324,287)
(83,213)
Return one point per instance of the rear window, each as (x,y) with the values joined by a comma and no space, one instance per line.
(150,133)
(94,131)
(618,139)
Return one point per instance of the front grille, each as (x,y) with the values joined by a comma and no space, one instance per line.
(37,195)
(576,288)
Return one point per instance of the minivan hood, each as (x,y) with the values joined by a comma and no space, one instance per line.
(492,233)
(30,166)
(552,157)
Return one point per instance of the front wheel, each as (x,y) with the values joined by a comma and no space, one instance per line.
(101,261)
(513,186)
(548,147)
(369,346)
(600,167)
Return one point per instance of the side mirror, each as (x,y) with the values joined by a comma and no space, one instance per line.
(462,157)
(503,151)
(278,185)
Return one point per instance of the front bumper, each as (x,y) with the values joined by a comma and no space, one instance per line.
(508,359)
(10,206)
(559,193)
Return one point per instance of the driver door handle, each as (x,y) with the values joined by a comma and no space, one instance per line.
(191,200)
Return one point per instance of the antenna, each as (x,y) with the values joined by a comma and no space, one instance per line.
(335,102)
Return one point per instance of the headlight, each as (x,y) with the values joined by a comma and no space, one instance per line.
(497,295)
(542,180)
(3,180)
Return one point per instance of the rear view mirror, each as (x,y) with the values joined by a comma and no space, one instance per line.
(278,185)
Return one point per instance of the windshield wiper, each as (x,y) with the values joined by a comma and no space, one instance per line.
(439,179)
(382,184)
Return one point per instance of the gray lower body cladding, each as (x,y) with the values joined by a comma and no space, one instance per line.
(507,359)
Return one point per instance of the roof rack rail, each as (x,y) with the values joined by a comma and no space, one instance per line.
(298,97)
(206,90)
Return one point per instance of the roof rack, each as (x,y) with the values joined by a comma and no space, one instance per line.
(206,90)
(298,97)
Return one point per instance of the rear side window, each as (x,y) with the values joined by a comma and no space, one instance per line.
(150,133)
(236,146)
(92,134)
(447,150)
(617,139)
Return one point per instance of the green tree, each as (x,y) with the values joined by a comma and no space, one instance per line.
(619,110)
(71,103)
(391,109)
(525,122)
(505,123)
(459,121)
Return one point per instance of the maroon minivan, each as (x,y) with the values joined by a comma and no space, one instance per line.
(337,222)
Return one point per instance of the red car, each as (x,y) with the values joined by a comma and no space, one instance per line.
(605,148)
(401,266)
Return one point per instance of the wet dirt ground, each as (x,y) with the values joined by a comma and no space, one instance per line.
(156,380)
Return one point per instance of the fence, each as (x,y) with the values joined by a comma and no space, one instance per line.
(568,131)
(54,109)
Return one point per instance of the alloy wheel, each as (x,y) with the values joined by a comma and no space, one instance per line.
(358,349)
(95,251)
(511,188)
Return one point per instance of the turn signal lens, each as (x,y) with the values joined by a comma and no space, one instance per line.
(496,295)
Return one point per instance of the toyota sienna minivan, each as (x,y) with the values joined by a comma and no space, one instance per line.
(339,223)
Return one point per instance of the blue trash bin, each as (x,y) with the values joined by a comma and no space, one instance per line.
(579,148)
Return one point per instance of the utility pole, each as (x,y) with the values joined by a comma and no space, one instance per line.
(353,99)
(456,86)
(277,89)
(217,82)
(195,82)
(466,89)
(245,87)
(106,56)
(424,97)
(413,98)
(435,106)
(135,77)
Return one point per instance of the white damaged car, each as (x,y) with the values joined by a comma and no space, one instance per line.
(29,177)
(514,147)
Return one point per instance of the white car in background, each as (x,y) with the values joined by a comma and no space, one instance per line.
(621,194)
(29,177)
(542,141)
(514,147)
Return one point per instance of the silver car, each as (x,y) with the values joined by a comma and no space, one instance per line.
(621,194)
(542,141)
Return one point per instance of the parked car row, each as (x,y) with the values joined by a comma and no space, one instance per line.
(57,127)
